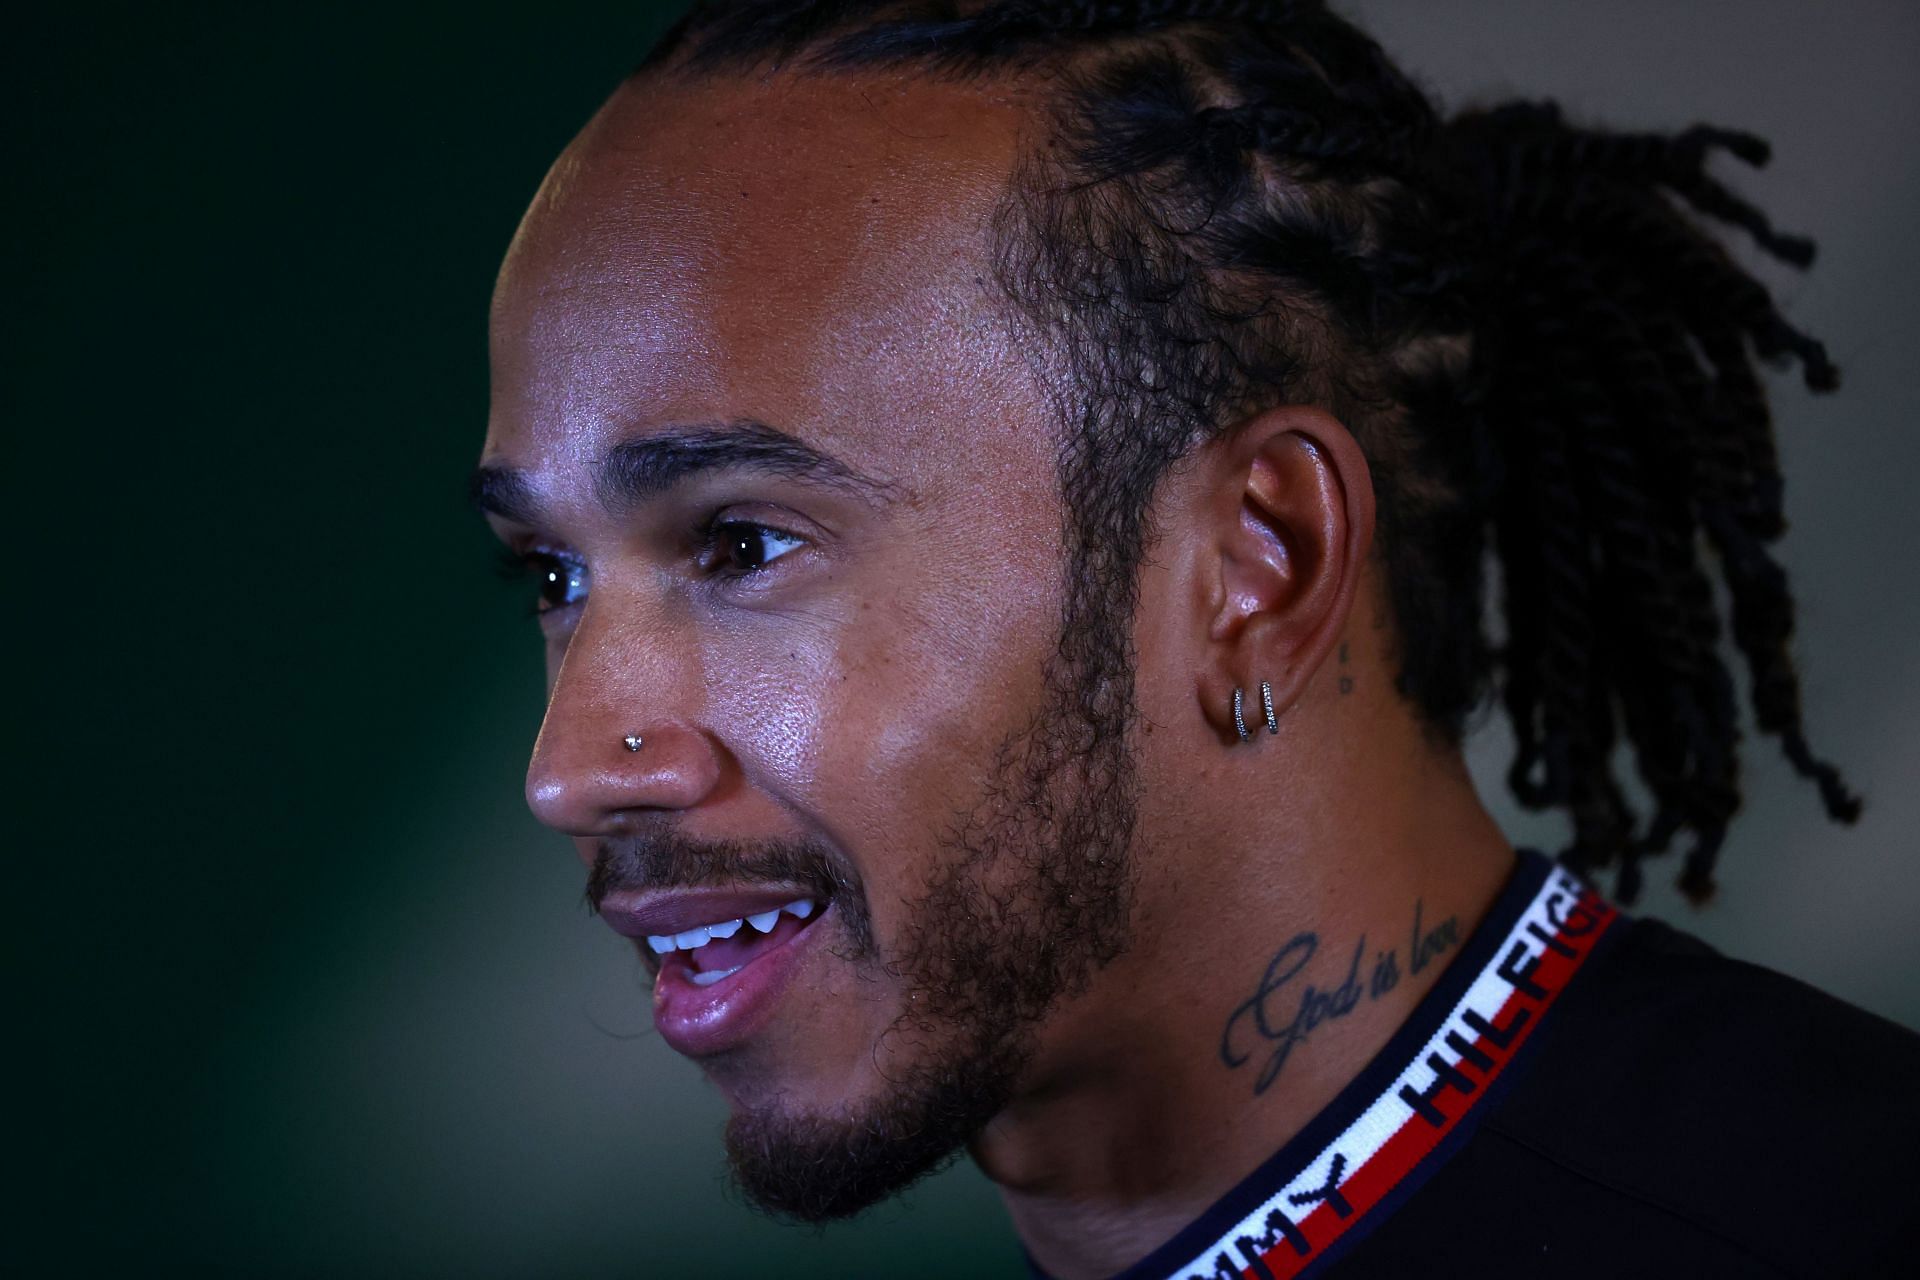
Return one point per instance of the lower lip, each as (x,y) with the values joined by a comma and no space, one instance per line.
(701,1021)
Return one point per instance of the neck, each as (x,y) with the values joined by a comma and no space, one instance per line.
(1199,1053)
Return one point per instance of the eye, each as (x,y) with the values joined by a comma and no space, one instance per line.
(559,580)
(740,548)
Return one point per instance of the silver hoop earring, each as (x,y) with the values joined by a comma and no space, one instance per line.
(1239,720)
(633,741)
(1266,704)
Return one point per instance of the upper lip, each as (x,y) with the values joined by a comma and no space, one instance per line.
(669,911)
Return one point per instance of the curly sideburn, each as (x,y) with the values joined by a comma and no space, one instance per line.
(1526,323)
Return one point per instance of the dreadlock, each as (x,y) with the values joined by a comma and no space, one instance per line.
(1525,322)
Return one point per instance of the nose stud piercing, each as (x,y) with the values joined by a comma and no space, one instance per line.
(633,741)
(1266,706)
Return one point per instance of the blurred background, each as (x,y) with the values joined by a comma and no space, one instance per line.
(300,986)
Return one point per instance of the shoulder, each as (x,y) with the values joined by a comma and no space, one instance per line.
(1664,1018)
(1739,1103)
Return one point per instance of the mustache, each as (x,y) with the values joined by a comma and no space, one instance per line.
(670,860)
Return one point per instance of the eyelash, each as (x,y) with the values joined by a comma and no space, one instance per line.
(709,536)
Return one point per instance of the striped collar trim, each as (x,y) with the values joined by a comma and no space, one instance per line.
(1413,1105)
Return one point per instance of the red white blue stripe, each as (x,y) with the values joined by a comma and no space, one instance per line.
(1333,1194)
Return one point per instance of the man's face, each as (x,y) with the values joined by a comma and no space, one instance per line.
(791,488)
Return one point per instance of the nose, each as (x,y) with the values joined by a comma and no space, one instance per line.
(584,779)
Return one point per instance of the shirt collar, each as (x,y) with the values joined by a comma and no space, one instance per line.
(1412,1106)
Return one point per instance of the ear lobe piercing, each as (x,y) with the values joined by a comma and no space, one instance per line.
(1266,706)
(633,741)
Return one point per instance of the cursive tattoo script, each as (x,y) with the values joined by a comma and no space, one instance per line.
(1315,1007)
(1273,1015)
(1430,944)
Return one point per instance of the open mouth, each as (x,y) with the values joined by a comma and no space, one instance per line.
(714,952)
(723,959)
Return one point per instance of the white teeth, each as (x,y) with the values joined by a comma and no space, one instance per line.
(712,976)
(693,939)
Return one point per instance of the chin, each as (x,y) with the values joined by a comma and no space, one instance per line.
(801,1152)
(759,1084)
(822,1166)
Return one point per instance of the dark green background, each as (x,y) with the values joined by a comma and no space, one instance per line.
(302,988)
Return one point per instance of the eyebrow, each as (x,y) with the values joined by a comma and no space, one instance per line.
(634,472)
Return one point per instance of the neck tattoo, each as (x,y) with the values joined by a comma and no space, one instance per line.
(1279,1016)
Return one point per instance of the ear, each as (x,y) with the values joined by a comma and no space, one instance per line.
(1292,516)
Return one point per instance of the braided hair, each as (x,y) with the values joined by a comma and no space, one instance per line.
(1527,324)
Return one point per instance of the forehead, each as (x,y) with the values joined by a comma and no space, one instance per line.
(808,251)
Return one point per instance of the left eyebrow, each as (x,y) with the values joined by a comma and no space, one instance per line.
(634,472)
(503,492)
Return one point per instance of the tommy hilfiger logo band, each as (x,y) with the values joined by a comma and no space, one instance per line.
(1327,1191)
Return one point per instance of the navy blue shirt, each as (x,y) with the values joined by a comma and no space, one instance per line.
(1582,1094)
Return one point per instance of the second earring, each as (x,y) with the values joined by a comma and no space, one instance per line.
(1266,707)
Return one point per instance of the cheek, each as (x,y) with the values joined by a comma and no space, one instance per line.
(877,721)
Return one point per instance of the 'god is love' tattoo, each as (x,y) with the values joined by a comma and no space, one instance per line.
(1280,1015)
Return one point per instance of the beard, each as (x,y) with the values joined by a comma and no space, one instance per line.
(1030,898)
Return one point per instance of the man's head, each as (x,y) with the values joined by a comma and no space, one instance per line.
(918,445)
(838,632)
